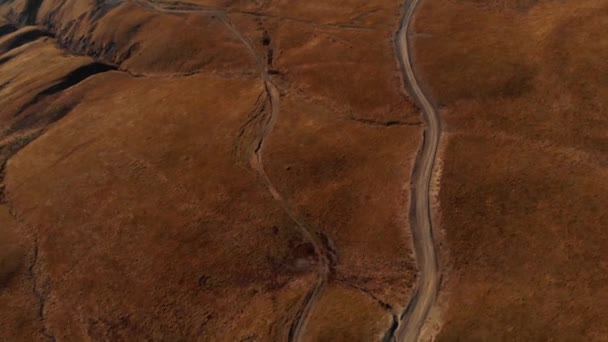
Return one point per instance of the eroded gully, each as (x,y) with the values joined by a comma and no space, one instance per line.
(324,255)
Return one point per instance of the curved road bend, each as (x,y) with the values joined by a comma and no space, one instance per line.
(427,285)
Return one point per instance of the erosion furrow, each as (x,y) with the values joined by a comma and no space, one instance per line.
(40,296)
(389,336)
(249,138)
(256,161)
(384,305)
(298,326)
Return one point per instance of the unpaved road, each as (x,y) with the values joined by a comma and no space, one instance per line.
(425,293)
(427,286)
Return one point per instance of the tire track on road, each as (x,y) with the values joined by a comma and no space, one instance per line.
(426,289)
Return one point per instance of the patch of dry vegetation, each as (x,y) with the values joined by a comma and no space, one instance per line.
(154,190)
(347,314)
(361,175)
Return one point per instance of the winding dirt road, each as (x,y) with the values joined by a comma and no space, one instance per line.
(413,317)
(427,286)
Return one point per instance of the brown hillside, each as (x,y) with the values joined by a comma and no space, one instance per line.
(523,89)
(129,130)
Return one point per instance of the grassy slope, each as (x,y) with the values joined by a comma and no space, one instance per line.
(136,195)
(523,88)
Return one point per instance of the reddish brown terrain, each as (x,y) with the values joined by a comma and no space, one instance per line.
(522,89)
(244,170)
(210,171)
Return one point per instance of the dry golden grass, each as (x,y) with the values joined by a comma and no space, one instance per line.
(373,14)
(162,43)
(172,225)
(19,319)
(347,314)
(350,180)
(149,225)
(528,250)
(22,108)
(524,172)
(356,80)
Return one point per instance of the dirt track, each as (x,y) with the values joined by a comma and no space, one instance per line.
(416,312)
(427,286)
